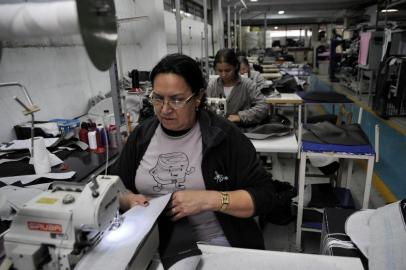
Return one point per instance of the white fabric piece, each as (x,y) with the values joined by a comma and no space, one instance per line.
(321,161)
(220,258)
(4,160)
(380,235)
(284,144)
(25,179)
(5,208)
(49,128)
(117,247)
(387,236)
(186,263)
(53,159)
(41,157)
(26,144)
(356,227)
(82,145)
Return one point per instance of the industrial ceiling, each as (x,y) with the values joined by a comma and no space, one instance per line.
(300,11)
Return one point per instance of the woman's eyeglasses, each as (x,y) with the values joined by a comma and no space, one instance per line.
(175,103)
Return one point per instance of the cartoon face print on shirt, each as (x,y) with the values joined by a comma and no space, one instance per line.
(171,169)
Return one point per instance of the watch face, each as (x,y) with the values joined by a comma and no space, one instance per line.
(225,199)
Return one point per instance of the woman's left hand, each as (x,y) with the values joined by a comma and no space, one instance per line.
(234,118)
(190,202)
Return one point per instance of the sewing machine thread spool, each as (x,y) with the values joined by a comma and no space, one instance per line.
(103,134)
(92,140)
(83,133)
(113,136)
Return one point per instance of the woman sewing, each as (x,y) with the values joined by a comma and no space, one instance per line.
(245,103)
(212,169)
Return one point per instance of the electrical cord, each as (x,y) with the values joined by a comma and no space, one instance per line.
(107,146)
(70,222)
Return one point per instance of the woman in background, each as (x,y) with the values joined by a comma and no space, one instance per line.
(245,103)
(254,75)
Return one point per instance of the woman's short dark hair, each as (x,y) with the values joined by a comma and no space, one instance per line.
(227,56)
(185,67)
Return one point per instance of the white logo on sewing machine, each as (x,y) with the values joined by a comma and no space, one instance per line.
(219,177)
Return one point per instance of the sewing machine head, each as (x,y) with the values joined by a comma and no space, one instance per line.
(55,229)
(217,105)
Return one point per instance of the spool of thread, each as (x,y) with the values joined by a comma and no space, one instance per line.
(91,135)
(99,136)
(103,134)
(113,136)
(41,157)
(83,133)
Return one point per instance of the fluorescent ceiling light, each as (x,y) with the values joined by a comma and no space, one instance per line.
(254,0)
(280,12)
(276,27)
(389,10)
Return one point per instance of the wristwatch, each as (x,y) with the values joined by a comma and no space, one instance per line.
(225,201)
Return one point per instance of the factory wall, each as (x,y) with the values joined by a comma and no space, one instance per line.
(191,43)
(61,78)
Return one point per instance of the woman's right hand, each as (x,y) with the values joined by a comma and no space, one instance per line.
(129,200)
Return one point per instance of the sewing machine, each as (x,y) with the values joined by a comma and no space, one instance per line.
(56,228)
(217,105)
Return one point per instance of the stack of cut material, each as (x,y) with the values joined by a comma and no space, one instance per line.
(272,76)
(265,66)
(271,70)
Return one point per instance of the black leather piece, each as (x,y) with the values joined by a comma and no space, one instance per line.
(325,96)
(268,130)
(325,132)
(287,84)
(176,240)
(330,169)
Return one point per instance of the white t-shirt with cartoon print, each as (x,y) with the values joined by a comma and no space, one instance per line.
(174,163)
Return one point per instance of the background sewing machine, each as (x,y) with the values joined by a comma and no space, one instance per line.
(56,228)
(217,105)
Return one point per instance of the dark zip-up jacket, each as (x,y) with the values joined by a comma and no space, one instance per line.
(229,163)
